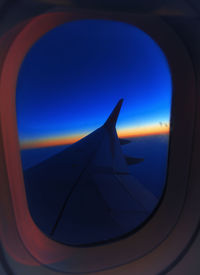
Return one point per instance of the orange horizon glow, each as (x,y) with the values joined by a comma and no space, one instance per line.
(68,140)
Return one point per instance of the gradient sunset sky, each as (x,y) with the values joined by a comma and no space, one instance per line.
(72,78)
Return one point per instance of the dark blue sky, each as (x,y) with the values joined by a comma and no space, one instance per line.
(74,75)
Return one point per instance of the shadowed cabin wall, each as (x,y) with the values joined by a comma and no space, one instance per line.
(187,29)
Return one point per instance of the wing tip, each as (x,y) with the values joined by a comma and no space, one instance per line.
(112,119)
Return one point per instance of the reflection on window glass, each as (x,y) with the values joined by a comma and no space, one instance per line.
(93,109)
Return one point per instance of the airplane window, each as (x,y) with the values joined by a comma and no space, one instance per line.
(93,103)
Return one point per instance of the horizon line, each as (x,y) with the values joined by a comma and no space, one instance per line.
(61,141)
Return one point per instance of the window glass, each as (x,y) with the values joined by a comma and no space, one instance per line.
(93,104)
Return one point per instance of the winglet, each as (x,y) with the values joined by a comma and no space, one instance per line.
(112,120)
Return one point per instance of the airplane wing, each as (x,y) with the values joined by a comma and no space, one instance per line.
(86,194)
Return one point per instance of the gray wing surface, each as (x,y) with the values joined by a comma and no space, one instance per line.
(87,193)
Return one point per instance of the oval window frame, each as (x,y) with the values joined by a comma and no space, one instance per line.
(152,238)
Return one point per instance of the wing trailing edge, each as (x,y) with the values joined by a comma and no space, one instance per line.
(131,160)
(123,141)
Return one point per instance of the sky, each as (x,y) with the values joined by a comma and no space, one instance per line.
(74,75)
